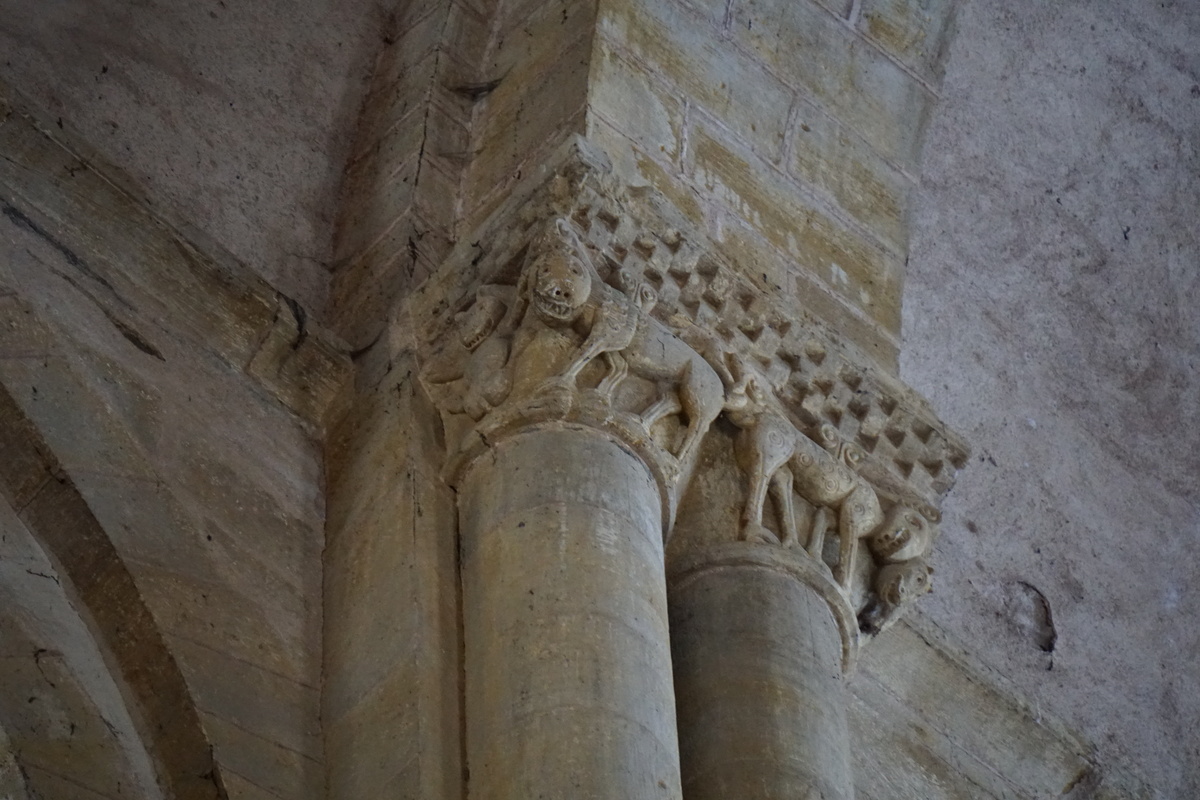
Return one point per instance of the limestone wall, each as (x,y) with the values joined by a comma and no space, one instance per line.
(185,400)
(236,116)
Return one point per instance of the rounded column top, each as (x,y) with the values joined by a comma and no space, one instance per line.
(797,564)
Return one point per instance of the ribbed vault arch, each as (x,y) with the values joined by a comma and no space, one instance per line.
(89,568)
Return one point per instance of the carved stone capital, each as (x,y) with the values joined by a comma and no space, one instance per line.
(588,303)
(550,343)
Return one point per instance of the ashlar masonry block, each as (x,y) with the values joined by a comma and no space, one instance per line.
(404,72)
(821,55)
(860,272)
(916,32)
(830,157)
(520,116)
(673,44)
(646,111)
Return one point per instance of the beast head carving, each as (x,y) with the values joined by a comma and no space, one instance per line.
(903,535)
(896,587)
(478,322)
(559,281)
(898,584)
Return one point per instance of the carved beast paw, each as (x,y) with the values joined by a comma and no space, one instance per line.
(754,532)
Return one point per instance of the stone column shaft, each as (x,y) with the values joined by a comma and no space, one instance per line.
(758,679)
(580,354)
(568,668)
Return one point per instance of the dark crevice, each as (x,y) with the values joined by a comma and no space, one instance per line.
(21,220)
(37,574)
(124,328)
(476,91)
(301,317)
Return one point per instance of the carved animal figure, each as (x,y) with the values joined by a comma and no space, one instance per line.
(897,586)
(688,384)
(551,342)
(779,458)
(467,376)
(903,536)
(576,318)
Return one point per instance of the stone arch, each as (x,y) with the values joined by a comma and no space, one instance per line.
(103,591)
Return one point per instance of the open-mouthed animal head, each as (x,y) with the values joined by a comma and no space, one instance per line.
(561,286)
(478,322)
(904,534)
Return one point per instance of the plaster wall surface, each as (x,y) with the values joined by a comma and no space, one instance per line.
(1051,317)
(237,116)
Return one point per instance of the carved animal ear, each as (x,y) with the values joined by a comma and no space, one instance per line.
(567,232)
(930,513)
(828,434)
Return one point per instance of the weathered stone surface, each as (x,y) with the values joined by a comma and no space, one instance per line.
(830,157)
(1054,306)
(856,269)
(151,360)
(62,707)
(647,112)
(12,782)
(757,658)
(134,264)
(235,117)
(941,724)
(567,662)
(688,53)
(1039,129)
(917,32)
(818,53)
(262,763)
(160,721)
(391,704)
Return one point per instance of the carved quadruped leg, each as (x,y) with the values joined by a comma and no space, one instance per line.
(753,529)
(702,396)
(664,407)
(859,515)
(846,556)
(763,448)
(781,491)
(591,350)
(816,536)
(618,370)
